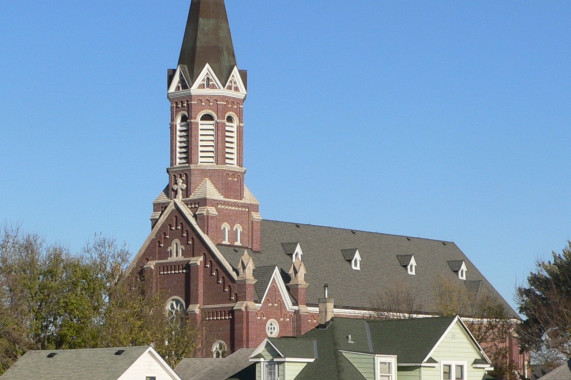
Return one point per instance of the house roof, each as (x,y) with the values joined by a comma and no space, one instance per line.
(563,372)
(207,39)
(381,264)
(411,340)
(215,369)
(90,363)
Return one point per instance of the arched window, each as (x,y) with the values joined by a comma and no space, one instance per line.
(219,349)
(175,250)
(182,140)
(175,309)
(238,234)
(225,233)
(206,140)
(231,141)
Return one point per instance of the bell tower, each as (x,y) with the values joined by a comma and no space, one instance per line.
(206,93)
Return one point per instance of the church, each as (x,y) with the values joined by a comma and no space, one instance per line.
(244,278)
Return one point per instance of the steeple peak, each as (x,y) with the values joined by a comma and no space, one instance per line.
(207,39)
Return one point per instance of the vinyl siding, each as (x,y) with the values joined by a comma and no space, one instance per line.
(292,370)
(457,346)
(408,373)
(364,364)
(147,365)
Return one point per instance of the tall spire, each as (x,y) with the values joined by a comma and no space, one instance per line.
(207,39)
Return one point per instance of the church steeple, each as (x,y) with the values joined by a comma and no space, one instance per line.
(207,39)
(207,93)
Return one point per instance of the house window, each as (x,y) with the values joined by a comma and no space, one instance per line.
(231,141)
(238,234)
(272,328)
(411,267)
(150,378)
(182,140)
(206,140)
(225,233)
(356,263)
(462,271)
(271,371)
(385,367)
(453,371)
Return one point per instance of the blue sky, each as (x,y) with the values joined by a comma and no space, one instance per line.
(446,120)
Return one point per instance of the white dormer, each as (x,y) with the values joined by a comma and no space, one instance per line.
(352,255)
(408,262)
(411,267)
(293,249)
(462,271)
(458,267)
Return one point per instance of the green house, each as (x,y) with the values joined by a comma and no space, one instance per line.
(348,349)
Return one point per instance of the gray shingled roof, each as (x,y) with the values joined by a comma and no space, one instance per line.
(563,372)
(92,363)
(380,264)
(215,369)
(410,339)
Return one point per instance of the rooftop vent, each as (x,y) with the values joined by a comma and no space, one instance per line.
(52,354)
(119,352)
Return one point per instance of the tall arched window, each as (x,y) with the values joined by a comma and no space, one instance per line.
(238,234)
(182,140)
(225,233)
(206,140)
(231,138)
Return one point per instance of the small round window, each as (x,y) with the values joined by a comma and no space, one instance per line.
(272,328)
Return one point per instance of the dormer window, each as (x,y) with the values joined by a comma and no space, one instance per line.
(408,262)
(352,255)
(293,249)
(225,233)
(411,267)
(459,267)
(462,272)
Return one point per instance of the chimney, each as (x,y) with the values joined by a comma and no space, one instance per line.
(325,307)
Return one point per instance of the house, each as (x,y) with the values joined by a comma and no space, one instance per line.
(563,372)
(348,348)
(234,366)
(120,363)
(244,278)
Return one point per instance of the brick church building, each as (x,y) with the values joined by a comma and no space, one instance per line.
(244,278)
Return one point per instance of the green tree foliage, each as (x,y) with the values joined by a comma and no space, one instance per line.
(51,299)
(546,304)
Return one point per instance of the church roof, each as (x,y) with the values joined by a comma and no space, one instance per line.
(207,39)
(380,270)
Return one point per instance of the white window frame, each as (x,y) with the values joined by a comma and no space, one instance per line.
(453,365)
(386,359)
(462,271)
(411,268)
(265,367)
(356,262)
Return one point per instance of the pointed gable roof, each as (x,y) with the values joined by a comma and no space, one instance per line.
(207,39)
